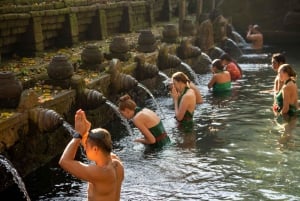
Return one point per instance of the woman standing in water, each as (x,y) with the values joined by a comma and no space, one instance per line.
(231,66)
(221,79)
(286,100)
(185,95)
(147,121)
(106,174)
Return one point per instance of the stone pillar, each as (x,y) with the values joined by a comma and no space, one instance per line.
(38,37)
(128,19)
(73,27)
(199,8)
(168,10)
(182,13)
(150,14)
(103,23)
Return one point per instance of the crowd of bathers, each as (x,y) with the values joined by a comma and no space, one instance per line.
(106,174)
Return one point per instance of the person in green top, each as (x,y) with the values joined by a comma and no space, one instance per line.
(286,100)
(185,96)
(147,121)
(221,79)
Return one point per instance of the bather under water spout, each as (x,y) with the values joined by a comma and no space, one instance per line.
(124,121)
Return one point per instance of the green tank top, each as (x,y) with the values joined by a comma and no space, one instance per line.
(187,121)
(158,131)
(279,101)
(219,87)
(160,134)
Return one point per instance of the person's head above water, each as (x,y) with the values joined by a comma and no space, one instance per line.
(256,28)
(226,57)
(217,63)
(100,138)
(277,60)
(181,77)
(127,106)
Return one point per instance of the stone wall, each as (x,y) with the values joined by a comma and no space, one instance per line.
(279,20)
(29,29)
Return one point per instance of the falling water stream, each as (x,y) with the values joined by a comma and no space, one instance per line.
(191,72)
(16,177)
(116,110)
(163,75)
(162,116)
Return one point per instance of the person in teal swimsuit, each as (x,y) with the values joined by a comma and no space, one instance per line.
(286,100)
(221,79)
(147,121)
(184,94)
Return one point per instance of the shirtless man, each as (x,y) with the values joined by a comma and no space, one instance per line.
(255,36)
(106,174)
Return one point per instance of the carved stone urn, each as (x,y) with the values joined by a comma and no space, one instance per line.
(170,33)
(146,41)
(91,56)
(60,68)
(10,90)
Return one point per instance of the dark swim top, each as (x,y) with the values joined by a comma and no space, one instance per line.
(161,137)
(158,131)
(279,101)
(187,121)
(219,87)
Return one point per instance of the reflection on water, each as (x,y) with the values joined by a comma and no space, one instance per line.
(233,154)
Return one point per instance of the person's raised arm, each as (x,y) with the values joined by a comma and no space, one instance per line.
(211,82)
(82,125)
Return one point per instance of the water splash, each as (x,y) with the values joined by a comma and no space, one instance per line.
(116,110)
(16,177)
(192,72)
(239,38)
(150,94)
(163,75)
(69,128)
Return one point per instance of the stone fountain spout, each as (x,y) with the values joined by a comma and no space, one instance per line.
(166,60)
(199,61)
(120,81)
(93,99)
(46,120)
(186,50)
(145,70)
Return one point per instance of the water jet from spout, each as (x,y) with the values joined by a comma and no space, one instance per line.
(16,177)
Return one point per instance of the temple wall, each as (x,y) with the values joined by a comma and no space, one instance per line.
(29,29)
(279,20)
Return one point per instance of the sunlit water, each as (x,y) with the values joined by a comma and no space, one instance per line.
(233,154)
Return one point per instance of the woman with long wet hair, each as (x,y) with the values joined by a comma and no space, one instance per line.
(286,100)
(147,121)
(185,96)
